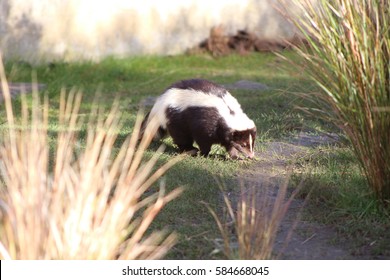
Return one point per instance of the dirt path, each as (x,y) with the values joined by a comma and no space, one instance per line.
(297,238)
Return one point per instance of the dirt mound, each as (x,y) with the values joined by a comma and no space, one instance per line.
(220,43)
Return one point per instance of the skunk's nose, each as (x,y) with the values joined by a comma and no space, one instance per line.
(251,155)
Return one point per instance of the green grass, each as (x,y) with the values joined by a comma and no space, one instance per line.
(337,194)
(274,112)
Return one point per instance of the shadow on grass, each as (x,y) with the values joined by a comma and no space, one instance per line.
(341,198)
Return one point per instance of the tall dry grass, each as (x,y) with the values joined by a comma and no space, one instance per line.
(348,56)
(86,200)
(252,220)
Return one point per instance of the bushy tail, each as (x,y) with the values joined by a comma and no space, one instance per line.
(143,126)
(160,133)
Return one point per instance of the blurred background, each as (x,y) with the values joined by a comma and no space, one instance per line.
(92,29)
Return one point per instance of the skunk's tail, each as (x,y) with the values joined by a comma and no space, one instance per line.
(160,133)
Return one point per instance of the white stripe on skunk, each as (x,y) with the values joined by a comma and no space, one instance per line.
(201,111)
(182,99)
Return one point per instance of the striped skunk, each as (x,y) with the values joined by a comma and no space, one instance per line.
(204,112)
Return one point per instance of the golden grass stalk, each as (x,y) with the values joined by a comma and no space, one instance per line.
(85,200)
(250,229)
(348,56)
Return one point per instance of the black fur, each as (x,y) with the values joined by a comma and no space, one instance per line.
(206,127)
(200,85)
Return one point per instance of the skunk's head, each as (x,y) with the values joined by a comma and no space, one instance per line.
(243,142)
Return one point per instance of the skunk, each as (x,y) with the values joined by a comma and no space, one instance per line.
(201,111)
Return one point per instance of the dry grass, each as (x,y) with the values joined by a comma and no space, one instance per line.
(85,200)
(348,56)
(249,230)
